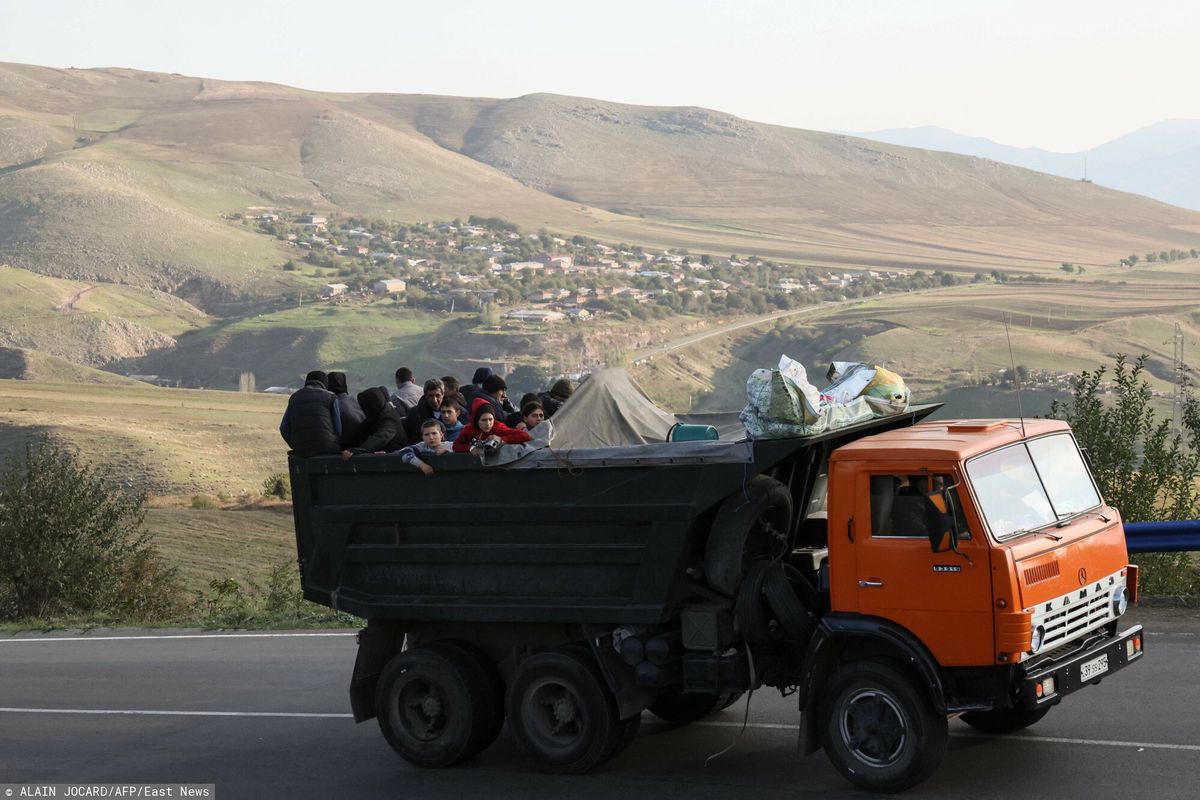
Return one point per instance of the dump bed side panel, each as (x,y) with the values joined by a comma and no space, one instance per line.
(384,541)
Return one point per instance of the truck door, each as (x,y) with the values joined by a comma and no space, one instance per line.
(945,599)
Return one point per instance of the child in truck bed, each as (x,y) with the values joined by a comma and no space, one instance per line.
(485,430)
(431,444)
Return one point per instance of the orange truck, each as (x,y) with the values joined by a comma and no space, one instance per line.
(895,574)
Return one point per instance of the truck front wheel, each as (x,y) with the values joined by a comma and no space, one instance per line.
(561,712)
(426,702)
(880,731)
(1004,720)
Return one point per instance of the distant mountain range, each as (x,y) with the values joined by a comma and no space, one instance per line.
(1161,161)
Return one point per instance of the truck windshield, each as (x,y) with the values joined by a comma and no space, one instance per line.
(1032,484)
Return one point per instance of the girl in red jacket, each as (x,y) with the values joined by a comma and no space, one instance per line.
(485,431)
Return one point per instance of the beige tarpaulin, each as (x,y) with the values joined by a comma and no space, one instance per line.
(610,410)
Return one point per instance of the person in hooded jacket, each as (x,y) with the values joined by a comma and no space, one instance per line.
(354,421)
(553,400)
(385,426)
(312,423)
(485,431)
(495,391)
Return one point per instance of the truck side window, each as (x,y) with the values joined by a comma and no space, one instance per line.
(911,505)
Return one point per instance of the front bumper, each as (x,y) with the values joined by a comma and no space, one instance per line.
(1068,668)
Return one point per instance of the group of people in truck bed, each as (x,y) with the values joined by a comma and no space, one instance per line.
(323,418)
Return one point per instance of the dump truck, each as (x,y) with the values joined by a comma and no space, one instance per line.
(894,574)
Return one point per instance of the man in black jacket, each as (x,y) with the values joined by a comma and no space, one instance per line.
(428,407)
(554,399)
(312,423)
(354,421)
(495,391)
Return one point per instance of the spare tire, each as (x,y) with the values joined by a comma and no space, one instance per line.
(797,621)
(751,525)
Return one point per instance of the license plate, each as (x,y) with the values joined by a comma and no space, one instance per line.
(1090,669)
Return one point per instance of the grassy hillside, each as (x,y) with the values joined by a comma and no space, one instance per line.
(120,175)
(944,340)
(168,441)
(222,543)
(368,342)
(86,323)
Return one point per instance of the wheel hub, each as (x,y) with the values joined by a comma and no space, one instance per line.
(564,710)
(873,727)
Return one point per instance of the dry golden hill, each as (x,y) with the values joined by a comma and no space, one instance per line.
(119,175)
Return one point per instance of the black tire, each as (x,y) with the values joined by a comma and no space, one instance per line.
(1004,720)
(426,703)
(562,713)
(879,728)
(794,618)
(751,525)
(489,711)
(628,731)
(749,607)
(684,708)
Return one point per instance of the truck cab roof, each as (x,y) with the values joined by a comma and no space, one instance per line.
(946,440)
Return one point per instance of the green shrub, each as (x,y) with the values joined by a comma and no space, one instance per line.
(70,545)
(1144,469)
(278,485)
(276,601)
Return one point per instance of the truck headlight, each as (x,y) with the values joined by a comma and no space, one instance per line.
(1120,600)
(1037,639)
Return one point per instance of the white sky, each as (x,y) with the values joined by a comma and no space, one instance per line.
(1062,75)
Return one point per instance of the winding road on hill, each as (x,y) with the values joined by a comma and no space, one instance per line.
(690,339)
(266,714)
(69,305)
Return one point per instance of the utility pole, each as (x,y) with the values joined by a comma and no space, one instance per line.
(1180,381)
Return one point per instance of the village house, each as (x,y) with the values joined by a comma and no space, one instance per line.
(333,289)
(313,220)
(517,267)
(535,315)
(558,262)
(389,286)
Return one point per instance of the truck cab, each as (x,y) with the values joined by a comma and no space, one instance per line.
(984,555)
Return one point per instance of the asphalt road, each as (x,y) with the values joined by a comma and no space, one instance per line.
(267,715)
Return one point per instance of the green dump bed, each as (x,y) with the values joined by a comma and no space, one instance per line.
(585,536)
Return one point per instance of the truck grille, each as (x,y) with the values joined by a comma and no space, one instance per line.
(1075,620)
(1074,614)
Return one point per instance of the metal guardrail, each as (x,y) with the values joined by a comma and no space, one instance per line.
(1163,537)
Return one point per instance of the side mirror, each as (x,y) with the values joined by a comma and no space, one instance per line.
(943,522)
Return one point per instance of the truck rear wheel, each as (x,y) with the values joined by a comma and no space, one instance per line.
(489,709)
(562,713)
(684,708)
(1004,720)
(751,525)
(880,731)
(627,731)
(427,703)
